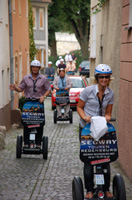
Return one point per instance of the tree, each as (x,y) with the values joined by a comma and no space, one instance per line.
(77,13)
(54,24)
(75,16)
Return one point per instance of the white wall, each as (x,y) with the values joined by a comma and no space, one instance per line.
(4,54)
(66,42)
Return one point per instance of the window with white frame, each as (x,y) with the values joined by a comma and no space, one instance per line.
(34,18)
(6,13)
(93,36)
(1,11)
(41,19)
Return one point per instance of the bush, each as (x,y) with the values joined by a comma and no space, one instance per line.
(21,102)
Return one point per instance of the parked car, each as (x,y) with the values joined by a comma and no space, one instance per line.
(79,83)
(84,68)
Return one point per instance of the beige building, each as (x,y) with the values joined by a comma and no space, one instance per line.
(111,43)
(105,42)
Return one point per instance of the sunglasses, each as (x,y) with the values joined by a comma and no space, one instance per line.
(102,77)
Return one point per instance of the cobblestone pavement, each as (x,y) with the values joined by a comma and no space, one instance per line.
(32,178)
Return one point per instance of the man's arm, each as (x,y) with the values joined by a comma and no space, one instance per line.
(14,88)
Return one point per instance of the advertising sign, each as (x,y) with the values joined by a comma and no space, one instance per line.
(33,113)
(95,152)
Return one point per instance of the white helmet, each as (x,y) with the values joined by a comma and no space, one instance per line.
(61,60)
(60,57)
(35,63)
(70,59)
(103,69)
(50,62)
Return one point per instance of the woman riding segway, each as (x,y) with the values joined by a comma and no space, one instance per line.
(96,100)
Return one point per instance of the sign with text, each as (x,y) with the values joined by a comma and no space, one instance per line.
(105,150)
(33,113)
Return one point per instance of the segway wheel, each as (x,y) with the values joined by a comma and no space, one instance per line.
(119,187)
(18,146)
(55,116)
(45,147)
(70,116)
(77,189)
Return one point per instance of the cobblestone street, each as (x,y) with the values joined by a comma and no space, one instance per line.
(32,178)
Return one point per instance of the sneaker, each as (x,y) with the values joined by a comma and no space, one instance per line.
(108,194)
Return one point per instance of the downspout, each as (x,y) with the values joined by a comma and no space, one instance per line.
(11,50)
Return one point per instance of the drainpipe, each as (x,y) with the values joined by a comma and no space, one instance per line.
(11,50)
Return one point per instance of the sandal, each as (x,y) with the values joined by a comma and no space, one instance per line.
(89,195)
(108,194)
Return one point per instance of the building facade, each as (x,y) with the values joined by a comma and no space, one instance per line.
(5,105)
(111,43)
(105,42)
(40,15)
(125,98)
(20,44)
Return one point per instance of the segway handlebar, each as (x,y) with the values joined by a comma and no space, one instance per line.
(112,120)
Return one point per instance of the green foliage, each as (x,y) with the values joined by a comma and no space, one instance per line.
(70,16)
(99,6)
(32,47)
(21,102)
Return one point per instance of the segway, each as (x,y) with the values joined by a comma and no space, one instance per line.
(71,73)
(33,120)
(98,153)
(62,99)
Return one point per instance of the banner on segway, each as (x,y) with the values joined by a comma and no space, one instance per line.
(62,96)
(105,150)
(33,113)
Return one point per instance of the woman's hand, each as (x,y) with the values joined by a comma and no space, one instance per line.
(87,119)
(108,118)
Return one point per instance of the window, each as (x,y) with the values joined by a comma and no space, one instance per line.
(8,81)
(3,88)
(27,9)
(13,5)
(28,66)
(130,14)
(6,13)
(93,42)
(1,11)
(34,18)
(19,7)
(41,19)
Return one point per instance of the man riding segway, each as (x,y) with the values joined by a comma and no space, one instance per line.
(35,86)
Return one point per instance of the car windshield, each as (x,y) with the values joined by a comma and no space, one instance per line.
(85,63)
(77,83)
